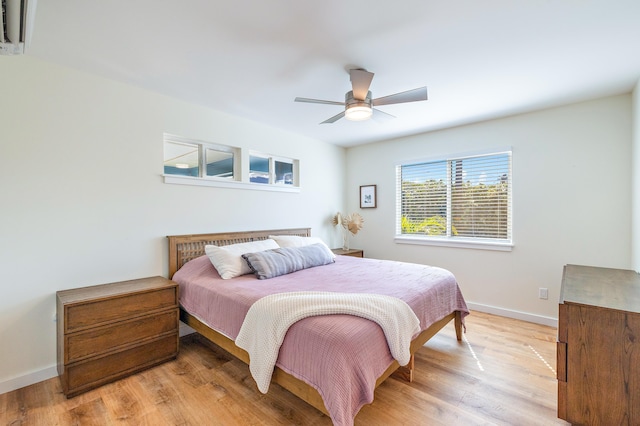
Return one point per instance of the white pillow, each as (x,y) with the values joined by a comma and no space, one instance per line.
(296,241)
(228,260)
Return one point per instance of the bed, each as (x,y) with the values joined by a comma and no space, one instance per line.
(197,278)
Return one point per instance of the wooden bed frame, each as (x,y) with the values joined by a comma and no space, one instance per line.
(183,248)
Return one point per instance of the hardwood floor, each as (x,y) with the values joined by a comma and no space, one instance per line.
(502,373)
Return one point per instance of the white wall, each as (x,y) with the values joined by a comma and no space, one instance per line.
(571,201)
(635,188)
(83,202)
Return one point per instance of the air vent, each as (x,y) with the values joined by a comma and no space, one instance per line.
(17,23)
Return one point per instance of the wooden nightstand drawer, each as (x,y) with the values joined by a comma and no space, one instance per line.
(96,341)
(116,308)
(82,376)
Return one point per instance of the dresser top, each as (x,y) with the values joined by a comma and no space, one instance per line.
(617,289)
(113,289)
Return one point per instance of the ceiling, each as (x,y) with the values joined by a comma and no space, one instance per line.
(480,59)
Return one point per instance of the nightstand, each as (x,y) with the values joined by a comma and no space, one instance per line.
(350,252)
(110,331)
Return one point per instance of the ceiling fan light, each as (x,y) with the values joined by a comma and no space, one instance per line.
(357,109)
(358,112)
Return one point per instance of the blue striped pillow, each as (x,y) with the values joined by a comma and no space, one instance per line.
(285,260)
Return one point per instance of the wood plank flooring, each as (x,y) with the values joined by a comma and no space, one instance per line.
(503,373)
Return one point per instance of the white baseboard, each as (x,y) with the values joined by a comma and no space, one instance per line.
(524,316)
(28,379)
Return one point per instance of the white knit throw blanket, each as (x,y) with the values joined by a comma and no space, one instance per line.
(269,318)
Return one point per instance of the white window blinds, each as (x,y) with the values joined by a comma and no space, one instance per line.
(458,198)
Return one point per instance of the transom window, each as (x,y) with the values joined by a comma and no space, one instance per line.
(271,170)
(192,162)
(183,157)
(459,199)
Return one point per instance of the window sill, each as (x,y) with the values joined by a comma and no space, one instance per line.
(458,243)
(185,180)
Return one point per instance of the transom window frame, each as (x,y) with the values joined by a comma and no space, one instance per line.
(451,241)
(241,173)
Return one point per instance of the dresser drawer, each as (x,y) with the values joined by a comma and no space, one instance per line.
(103,339)
(85,375)
(90,314)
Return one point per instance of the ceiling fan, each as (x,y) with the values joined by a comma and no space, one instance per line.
(358,102)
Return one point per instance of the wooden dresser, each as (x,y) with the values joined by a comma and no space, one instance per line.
(598,354)
(110,331)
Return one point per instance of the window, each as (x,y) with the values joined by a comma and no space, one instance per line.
(191,162)
(258,169)
(183,157)
(271,170)
(284,172)
(466,199)
(218,163)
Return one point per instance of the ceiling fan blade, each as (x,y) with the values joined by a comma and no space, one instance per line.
(419,94)
(318,101)
(360,82)
(381,116)
(334,118)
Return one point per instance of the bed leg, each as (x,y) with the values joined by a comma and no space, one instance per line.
(406,372)
(458,325)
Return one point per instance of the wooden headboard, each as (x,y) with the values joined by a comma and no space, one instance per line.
(183,248)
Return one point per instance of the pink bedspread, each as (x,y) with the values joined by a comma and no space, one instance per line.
(341,356)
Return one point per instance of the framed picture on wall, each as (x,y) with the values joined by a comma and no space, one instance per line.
(367,196)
